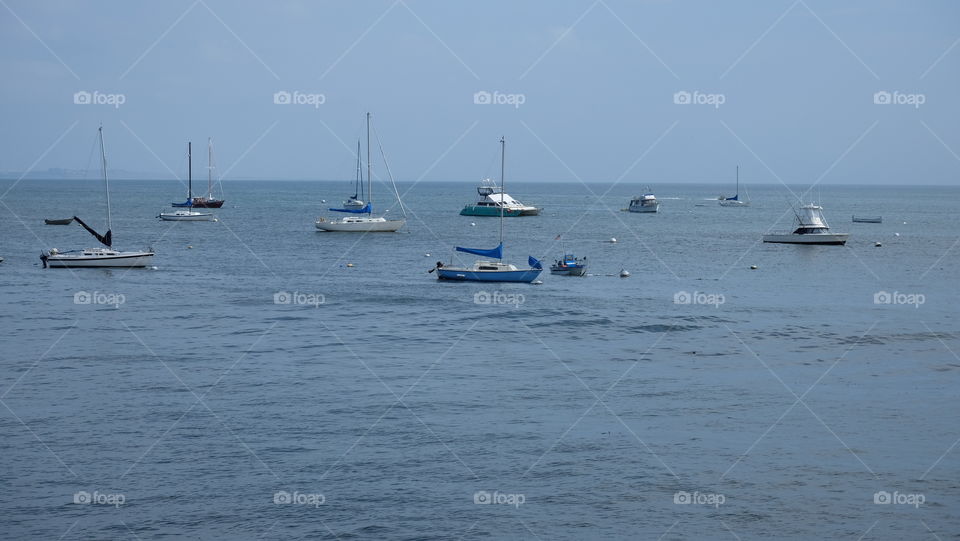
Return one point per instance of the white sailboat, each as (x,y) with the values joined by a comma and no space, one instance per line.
(98,257)
(185,214)
(361,223)
(811,228)
(735,200)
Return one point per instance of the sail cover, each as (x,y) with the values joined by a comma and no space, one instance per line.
(365,210)
(106,239)
(734,198)
(496,253)
(534,262)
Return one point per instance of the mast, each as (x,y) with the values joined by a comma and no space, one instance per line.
(503,191)
(190,173)
(209,168)
(358,186)
(369,178)
(738,182)
(106,183)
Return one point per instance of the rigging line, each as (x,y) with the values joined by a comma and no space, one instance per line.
(390,174)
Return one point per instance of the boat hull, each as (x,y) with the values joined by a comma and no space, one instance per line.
(116,260)
(475,210)
(66,221)
(199,217)
(828,239)
(211,204)
(568,271)
(385,226)
(471,275)
(734,203)
(643,209)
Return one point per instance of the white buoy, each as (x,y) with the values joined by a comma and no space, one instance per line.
(426,255)
(613,240)
(349,264)
(896,234)
(537,282)
(189,247)
(323,200)
(753,267)
(624,274)
(472,224)
(877,244)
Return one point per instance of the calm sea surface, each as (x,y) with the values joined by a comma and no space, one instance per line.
(381,404)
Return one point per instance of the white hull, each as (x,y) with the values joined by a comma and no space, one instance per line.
(184,217)
(362,226)
(648,208)
(100,259)
(810,238)
(734,203)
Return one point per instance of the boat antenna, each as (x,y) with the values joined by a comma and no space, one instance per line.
(106,183)
(503,191)
(386,164)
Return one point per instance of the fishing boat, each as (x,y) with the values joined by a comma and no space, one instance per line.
(65,221)
(644,203)
(493,198)
(569,265)
(98,257)
(367,223)
(181,215)
(209,201)
(734,201)
(488,270)
(811,228)
(868,219)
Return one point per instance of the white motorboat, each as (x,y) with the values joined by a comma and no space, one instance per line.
(492,197)
(98,257)
(361,223)
(644,203)
(811,228)
(735,201)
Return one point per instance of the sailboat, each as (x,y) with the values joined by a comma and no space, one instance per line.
(361,223)
(355,202)
(735,200)
(186,215)
(491,271)
(208,201)
(98,257)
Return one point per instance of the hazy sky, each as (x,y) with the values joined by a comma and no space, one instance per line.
(786,88)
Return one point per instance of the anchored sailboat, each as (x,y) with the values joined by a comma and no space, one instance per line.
(98,257)
(360,223)
(491,271)
(182,215)
(735,200)
(209,201)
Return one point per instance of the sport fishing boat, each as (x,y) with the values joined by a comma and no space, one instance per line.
(644,203)
(493,198)
(98,257)
(735,200)
(181,215)
(569,265)
(488,270)
(811,229)
(361,223)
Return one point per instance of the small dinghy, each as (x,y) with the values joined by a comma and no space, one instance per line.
(65,221)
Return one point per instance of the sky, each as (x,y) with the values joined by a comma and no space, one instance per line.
(794,91)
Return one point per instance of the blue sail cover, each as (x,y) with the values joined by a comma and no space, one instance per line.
(365,210)
(534,263)
(734,198)
(496,253)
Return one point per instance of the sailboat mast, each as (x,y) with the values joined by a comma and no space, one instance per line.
(738,181)
(369,177)
(503,191)
(189,172)
(106,183)
(358,187)
(209,168)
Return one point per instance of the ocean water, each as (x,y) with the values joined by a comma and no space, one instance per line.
(781,401)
